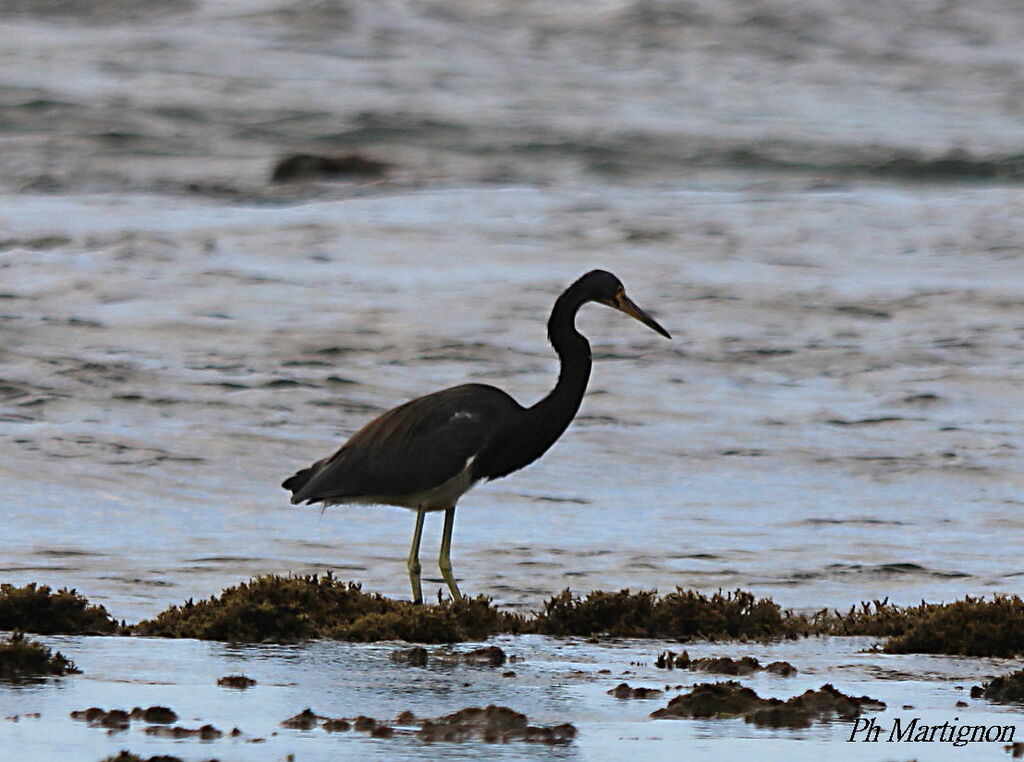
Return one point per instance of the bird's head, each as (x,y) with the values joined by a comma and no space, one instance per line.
(603,287)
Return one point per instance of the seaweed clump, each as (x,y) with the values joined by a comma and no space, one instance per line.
(626,691)
(493,724)
(22,659)
(120,719)
(722,665)
(38,609)
(680,615)
(274,608)
(731,699)
(712,700)
(204,733)
(126,756)
(968,627)
(1006,688)
(239,682)
(877,618)
(156,715)
(971,627)
(290,608)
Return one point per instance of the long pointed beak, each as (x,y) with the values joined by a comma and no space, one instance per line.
(627,305)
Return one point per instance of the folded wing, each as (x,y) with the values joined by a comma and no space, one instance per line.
(412,448)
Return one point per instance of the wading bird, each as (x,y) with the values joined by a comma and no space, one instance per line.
(427,453)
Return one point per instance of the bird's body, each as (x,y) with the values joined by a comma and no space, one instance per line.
(419,455)
(427,453)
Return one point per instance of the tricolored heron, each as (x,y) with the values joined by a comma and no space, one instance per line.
(427,453)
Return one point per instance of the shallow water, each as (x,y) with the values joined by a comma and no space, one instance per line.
(838,416)
(811,432)
(555,681)
(820,200)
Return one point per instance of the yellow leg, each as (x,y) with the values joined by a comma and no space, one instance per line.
(444,561)
(414,558)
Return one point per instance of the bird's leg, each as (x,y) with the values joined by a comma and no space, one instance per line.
(414,558)
(444,561)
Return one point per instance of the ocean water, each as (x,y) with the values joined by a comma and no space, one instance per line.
(821,431)
(820,200)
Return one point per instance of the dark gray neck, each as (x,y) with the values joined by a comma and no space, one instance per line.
(560,406)
(544,423)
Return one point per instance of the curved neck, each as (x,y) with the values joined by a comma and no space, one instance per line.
(562,403)
(542,424)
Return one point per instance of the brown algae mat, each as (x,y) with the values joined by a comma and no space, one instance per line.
(283,609)
(1005,688)
(968,627)
(43,611)
(491,724)
(294,608)
(723,665)
(24,659)
(274,608)
(730,699)
(126,756)
(680,615)
(120,719)
(238,682)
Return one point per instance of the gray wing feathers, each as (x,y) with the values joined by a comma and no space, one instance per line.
(414,447)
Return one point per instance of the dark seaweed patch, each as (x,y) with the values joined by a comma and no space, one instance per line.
(625,691)
(968,627)
(681,615)
(492,724)
(287,609)
(307,719)
(21,659)
(716,700)
(120,719)
(283,609)
(203,733)
(731,699)
(971,627)
(240,682)
(38,609)
(722,665)
(1006,687)
(154,715)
